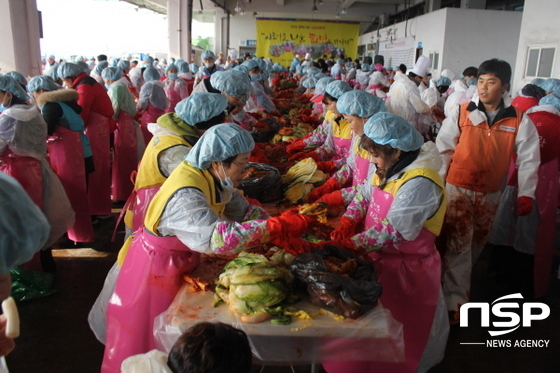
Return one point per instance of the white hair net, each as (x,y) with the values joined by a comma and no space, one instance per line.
(310,82)
(366,67)
(9,84)
(84,66)
(360,103)
(193,67)
(44,82)
(538,82)
(112,73)
(232,82)
(149,61)
(471,81)
(218,144)
(152,93)
(243,68)
(171,66)
(124,64)
(69,70)
(100,67)
(200,107)
(337,88)
(322,83)
(18,77)
(207,54)
(251,64)
(551,84)
(182,67)
(151,73)
(390,129)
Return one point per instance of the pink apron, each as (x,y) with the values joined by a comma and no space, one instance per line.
(342,147)
(148,281)
(150,115)
(174,99)
(99,181)
(361,170)
(410,273)
(137,203)
(66,157)
(125,159)
(547,200)
(27,171)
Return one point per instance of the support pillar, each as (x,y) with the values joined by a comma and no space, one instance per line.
(20,30)
(179,20)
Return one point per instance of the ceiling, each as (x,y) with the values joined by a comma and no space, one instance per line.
(370,13)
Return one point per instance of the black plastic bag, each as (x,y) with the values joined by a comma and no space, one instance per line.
(265,134)
(265,188)
(350,296)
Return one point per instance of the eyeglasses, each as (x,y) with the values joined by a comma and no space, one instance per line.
(244,167)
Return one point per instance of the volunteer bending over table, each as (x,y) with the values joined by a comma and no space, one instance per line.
(197,210)
(357,107)
(402,207)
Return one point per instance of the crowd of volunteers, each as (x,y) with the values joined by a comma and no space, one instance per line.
(423,173)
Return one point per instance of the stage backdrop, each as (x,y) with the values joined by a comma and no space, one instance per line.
(281,39)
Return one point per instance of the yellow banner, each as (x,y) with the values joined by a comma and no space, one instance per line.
(280,40)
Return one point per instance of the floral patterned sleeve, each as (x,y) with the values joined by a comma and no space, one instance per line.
(343,176)
(377,237)
(231,237)
(357,209)
(317,138)
(349,193)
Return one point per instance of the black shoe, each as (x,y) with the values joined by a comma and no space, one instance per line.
(47,261)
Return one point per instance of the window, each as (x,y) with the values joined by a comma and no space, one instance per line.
(434,57)
(540,61)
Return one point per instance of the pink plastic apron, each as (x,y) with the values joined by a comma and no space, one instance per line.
(148,281)
(342,147)
(547,198)
(409,272)
(99,181)
(125,159)
(66,157)
(174,99)
(27,171)
(361,170)
(150,115)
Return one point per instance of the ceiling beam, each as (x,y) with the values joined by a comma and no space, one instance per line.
(280,2)
(347,3)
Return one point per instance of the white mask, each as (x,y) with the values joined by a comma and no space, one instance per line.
(227,187)
(209,64)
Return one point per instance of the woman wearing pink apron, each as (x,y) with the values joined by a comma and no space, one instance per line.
(356,107)
(97,113)
(69,151)
(125,145)
(152,104)
(402,208)
(175,88)
(23,148)
(197,210)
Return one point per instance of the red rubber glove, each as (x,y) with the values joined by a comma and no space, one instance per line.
(296,146)
(253,201)
(524,205)
(345,230)
(330,186)
(289,224)
(327,166)
(303,155)
(295,245)
(333,199)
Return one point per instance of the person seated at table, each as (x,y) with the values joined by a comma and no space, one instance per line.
(204,348)
(402,208)
(197,210)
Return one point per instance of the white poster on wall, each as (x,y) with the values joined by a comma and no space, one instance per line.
(398,51)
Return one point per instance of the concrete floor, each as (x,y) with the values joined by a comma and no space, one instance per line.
(55,335)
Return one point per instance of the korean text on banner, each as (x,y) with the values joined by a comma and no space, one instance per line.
(281,40)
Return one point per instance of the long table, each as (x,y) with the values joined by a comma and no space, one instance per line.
(375,336)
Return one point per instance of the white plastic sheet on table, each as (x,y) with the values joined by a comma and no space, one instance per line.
(375,336)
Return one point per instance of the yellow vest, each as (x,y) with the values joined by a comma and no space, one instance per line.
(149,174)
(184,176)
(342,130)
(359,151)
(434,223)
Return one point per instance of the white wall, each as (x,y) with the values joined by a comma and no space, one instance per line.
(473,36)
(241,28)
(540,25)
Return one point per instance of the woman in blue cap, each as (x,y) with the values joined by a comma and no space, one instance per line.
(401,209)
(210,67)
(69,150)
(23,148)
(175,88)
(151,105)
(197,210)
(128,144)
